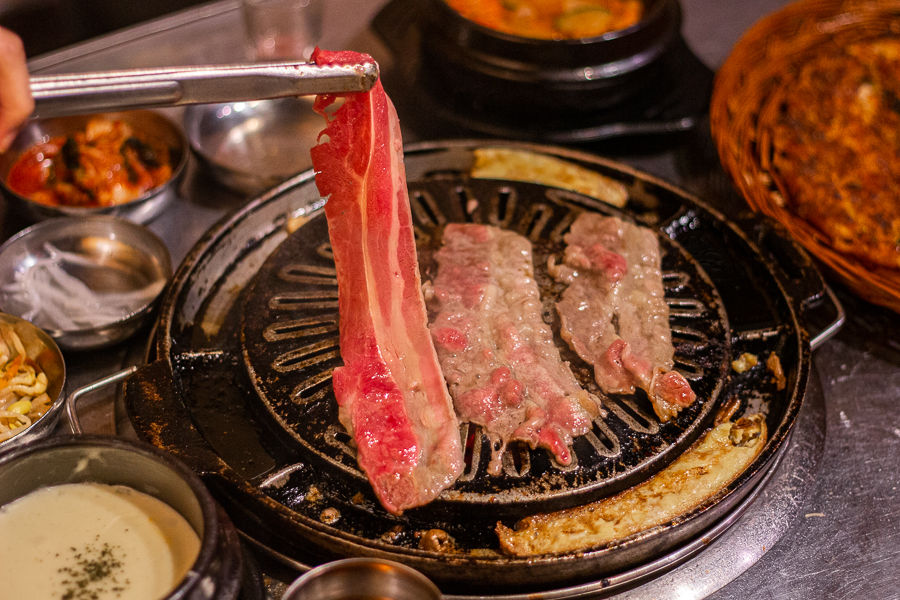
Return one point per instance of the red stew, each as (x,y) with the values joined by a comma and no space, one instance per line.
(552,19)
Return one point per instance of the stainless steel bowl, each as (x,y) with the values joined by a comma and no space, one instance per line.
(216,573)
(362,578)
(41,348)
(142,209)
(121,256)
(250,147)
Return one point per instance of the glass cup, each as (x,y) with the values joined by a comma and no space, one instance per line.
(283,30)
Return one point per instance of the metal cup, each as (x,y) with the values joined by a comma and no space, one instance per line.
(283,30)
(362,579)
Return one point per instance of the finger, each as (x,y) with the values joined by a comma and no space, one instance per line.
(16,102)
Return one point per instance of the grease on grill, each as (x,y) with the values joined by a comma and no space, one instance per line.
(773,363)
(330,516)
(392,535)
(437,540)
(744,362)
(313,495)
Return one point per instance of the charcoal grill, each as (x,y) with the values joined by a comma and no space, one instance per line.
(239,385)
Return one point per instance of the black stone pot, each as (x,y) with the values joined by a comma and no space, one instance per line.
(499,72)
(218,572)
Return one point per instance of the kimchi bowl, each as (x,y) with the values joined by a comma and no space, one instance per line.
(128,164)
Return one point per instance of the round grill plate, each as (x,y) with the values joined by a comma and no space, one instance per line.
(290,339)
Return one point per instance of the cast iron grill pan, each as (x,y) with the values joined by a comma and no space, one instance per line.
(197,399)
(290,340)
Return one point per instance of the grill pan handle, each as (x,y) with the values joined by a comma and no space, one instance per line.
(72,399)
(164,418)
(798,274)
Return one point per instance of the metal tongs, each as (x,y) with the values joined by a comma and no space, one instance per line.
(82,93)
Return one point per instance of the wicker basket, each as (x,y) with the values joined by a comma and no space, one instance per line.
(745,100)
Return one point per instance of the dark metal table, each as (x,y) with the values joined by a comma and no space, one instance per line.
(833,502)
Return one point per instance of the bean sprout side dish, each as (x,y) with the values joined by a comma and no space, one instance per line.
(23,386)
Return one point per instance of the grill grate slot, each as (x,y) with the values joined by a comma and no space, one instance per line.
(502,206)
(314,388)
(426,210)
(471,438)
(516,461)
(758,334)
(469,204)
(692,370)
(299,328)
(675,281)
(635,418)
(572,467)
(337,437)
(307,356)
(324,251)
(309,274)
(603,440)
(686,337)
(689,308)
(304,301)
(557,234)
(535,220)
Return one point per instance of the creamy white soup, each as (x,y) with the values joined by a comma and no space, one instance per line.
(90,541)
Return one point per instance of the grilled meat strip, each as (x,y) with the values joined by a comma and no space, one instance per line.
(497,354)
(614,313)
(391,393)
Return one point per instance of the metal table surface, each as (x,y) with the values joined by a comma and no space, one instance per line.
(844,540)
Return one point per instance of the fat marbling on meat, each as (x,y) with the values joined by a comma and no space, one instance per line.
(614,312)
(391,393)
(503,368)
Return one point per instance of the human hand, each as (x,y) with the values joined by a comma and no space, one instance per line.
(16,102)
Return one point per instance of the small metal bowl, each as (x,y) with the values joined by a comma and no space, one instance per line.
(41,348)
(362,578)
(217,572)
(127,256)
(250,147)
(143,209)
